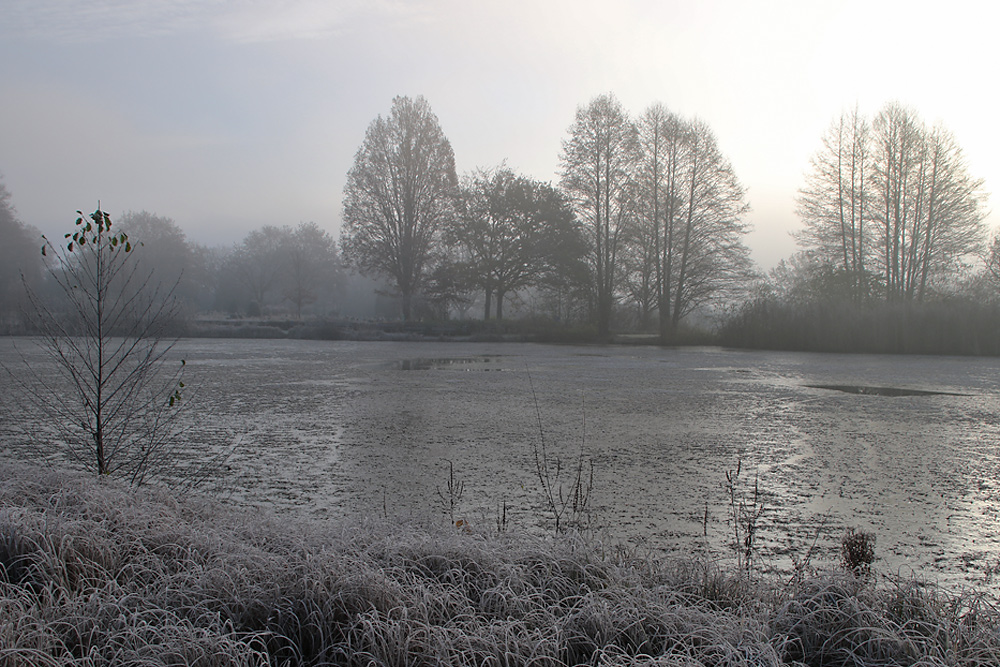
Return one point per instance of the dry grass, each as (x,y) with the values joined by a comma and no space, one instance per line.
(92,573)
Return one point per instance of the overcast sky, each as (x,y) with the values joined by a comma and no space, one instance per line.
(226,115)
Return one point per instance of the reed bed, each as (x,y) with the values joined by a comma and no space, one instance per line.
(94,573)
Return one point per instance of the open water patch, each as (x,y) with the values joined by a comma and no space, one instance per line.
(881,391)
(486,362)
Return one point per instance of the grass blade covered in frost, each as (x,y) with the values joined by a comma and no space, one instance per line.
(92,573)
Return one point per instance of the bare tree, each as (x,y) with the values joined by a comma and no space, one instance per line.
(690,224)
(311,265)
(712,259)
(953,231)
(898,162)
(399,192)
(118,390)
(166,253)
(835,204)
(640,275)
(992,260)
(512,232)
(19,261)
(892,205)
(598,172)
(663,140)
(259,262)
(929,212)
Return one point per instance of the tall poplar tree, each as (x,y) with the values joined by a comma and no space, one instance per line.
(835,204)
(690,213)
(400,191)
(599,160)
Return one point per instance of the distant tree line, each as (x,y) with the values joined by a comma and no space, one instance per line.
(894,253)
(889,204)
(285,272)
(20,262)
(644,232)
(647,220)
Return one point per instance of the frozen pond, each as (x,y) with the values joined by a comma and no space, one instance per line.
(905,447)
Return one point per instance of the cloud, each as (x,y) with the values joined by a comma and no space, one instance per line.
(291,19)
(99,20)
(241,21)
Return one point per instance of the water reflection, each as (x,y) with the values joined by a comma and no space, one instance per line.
(881,391)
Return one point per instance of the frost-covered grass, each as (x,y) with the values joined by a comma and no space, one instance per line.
(92,573)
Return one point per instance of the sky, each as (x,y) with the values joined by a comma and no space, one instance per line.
(226,115)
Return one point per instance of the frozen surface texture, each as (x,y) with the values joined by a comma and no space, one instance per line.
(341,429)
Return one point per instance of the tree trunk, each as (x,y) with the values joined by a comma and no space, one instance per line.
(667,258)
(407,298)
(603,316)
(686,245)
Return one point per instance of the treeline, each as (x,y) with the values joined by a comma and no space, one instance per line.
(804,304)
(645,227)
(947,326)
(273,272)
(894,250)
(644,232)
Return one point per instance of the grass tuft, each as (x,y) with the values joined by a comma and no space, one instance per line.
(93,573)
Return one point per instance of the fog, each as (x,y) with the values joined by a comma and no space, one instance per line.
(393,260)
(226,117)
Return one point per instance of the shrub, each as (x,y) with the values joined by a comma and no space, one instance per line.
(857,551)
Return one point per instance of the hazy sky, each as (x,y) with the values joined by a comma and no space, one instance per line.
(226,115)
